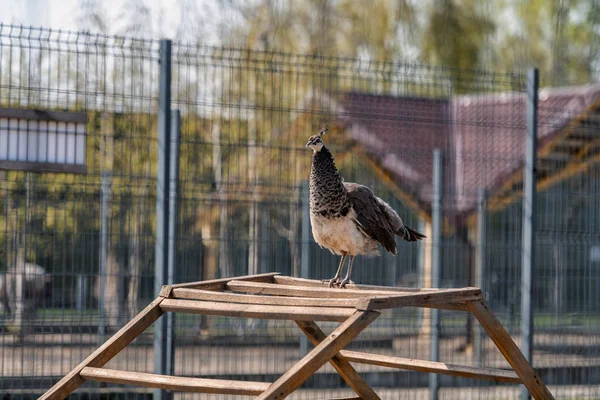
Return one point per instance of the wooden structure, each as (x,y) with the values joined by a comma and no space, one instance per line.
(272,296)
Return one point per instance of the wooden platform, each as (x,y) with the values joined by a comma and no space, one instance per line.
(272,296)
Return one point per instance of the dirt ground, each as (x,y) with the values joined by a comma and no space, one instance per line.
(53,355)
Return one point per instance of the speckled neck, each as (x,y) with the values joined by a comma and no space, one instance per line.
(328,197)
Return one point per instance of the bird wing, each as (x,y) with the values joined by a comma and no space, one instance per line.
(374,217)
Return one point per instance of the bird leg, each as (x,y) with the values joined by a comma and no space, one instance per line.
(336,279)
(347,280)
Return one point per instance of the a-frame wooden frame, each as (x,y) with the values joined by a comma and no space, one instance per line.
(272,296)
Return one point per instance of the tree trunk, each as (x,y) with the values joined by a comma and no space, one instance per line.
(253,218)
(111,289)
(112,302)
(20,309)
(135,267)
(560,265)
(295,208)
(210,254)
(295,213)
(425,278)
(224,263)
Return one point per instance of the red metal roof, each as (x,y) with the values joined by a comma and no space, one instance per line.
(482,137)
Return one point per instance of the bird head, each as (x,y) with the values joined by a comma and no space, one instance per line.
(315,142)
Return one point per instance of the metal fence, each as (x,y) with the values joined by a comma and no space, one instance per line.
(242,208)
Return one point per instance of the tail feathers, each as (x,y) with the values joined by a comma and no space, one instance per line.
(410,235)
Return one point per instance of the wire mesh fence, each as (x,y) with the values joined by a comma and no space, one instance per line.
(85,242)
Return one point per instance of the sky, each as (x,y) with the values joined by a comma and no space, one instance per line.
(62,14)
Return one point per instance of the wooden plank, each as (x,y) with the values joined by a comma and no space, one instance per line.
(316,358)
(442,296)
(107,351)
(346,398)
(343,367)
(197,294)
(509,349)
(257,311)
(334,293)
(300,291)
(496,375)
(219,284)
(175,383)
(288,280)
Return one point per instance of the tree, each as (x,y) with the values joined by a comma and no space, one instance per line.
(455,36)
(384,31)
(136,18)
(92,16)
(560,37)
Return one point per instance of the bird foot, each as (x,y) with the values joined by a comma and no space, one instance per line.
(334,281)
(344,282)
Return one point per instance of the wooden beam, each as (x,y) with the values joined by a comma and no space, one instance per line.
(343,367)
(287,290)
(555,156)
(322,353)
(175,383)
(209,295)
(571,142)
(107,351)
(509,349)
(496,375)
(257,311)
(499,201)
(288,280)
(219,284)
(425,299)
(347,398)
(573,126)
(407,199)
(571,169)
(587,149)
(300,291)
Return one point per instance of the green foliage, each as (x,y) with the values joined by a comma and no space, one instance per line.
(561,37)
(456,34)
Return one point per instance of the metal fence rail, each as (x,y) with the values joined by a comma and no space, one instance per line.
(242,207)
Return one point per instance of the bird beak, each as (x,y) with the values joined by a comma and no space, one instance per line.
(309,143)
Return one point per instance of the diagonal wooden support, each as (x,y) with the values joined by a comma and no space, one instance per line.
(343,367)
(107,351)
(322,353)
(509,349)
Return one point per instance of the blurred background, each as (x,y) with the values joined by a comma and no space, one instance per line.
(252,80)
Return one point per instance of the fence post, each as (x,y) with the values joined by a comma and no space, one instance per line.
(480,272)
(162,208)
(305,259)
(436,238)
(529,215)
(173,226)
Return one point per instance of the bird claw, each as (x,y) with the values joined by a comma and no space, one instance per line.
(334,281)
(344,282)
